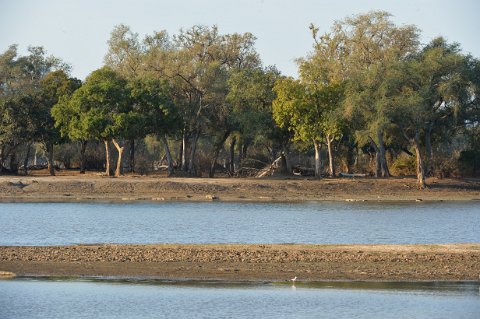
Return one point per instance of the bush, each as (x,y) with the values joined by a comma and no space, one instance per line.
(469,163)
(404,165)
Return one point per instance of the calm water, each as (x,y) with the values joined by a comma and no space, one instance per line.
(65,299)
(326,222)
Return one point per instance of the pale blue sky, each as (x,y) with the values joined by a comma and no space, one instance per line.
(77,30)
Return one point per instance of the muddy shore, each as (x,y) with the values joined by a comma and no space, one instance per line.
(91,187)
(248,262)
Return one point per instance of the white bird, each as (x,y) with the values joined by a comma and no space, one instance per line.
(293,279)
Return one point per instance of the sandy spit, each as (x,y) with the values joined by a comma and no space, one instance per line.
(248,262)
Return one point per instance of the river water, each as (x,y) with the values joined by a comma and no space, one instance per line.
(218,222)
(87,299)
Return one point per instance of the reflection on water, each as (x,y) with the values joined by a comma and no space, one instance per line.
(22,298)
(319,222)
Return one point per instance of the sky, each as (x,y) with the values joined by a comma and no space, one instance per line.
(77,30)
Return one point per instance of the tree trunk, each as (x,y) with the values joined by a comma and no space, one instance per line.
(244,150)
(108,172)
(132,156)
(191,160)
(378,165)
(232,155)
(83,148)
(218,148)
(50,164)
(383,158)
(350,160)
(420,165)
(180,154)
(27,157)
(120,149)
(184,152)
(169,155)
(330,155)
(288,163)
(318,163)
(13,161)
(2,157)
(428,150)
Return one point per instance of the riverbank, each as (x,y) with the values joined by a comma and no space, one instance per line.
(241,262)
(91,187)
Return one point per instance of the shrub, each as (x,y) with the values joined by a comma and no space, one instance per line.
(404,165)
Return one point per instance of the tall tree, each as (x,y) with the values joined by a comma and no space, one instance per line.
(324,71)
(429,90)
(20,92)
(197,62)
(53,87)
(372,44)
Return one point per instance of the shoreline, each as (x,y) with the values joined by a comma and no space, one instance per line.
(247,263)
(94,188)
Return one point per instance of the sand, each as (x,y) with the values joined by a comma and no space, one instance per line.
(451,262)
(135,188)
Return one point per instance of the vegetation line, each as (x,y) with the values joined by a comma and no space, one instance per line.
(369,99)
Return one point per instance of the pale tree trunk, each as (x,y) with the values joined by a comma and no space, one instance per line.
(83,148)
(120,149)
(193,150)
(378,165)
(331,162)
(184,152)
(107,159)
(232,155)
(49,149)
(383,158)
(169,155)
(27,157)
(318,163)
(420,165)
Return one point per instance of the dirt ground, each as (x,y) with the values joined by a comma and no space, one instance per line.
(249,262)
(241,262)
(93,187)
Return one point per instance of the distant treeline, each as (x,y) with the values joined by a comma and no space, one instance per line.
(369,98)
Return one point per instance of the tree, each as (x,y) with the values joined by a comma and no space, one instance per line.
(303,110)
(251,95)
(20,98)
(372,44)
(101,110)
(156,114)
(125,56)
(197,62)
(430,88)
(324,71)
(53,87)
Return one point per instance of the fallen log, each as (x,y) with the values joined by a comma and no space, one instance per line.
(352,175)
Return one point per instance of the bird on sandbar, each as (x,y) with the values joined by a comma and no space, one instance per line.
(293,279)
